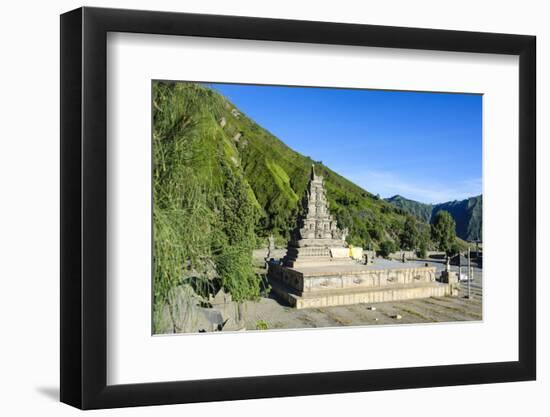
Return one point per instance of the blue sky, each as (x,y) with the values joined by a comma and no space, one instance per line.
(423,146)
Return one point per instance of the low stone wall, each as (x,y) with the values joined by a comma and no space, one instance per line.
(399,255)
(435,254)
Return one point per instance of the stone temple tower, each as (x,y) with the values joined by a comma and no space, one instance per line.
(316,230)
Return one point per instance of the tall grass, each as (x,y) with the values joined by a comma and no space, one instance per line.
(203,217)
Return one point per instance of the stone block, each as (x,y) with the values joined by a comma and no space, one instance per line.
(449,277)
(339,253)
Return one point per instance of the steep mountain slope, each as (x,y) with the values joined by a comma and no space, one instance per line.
(421,210)
(279,176)
(466,213)
(276,175)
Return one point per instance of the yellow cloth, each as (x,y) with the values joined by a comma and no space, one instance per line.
(356,252)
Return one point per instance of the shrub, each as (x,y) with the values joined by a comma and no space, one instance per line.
(262,325)
(422,251)
(386,248)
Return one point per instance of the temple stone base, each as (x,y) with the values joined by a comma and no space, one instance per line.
(336,285)
(358,296)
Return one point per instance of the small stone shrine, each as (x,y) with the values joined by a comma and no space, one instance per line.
(316,238)
(320,271)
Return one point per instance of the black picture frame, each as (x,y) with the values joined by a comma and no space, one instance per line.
(84,207)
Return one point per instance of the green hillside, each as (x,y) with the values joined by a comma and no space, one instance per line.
(276,174)
(468,213)
(221,185)
(421,210)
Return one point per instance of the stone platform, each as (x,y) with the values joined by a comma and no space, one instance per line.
(327,284)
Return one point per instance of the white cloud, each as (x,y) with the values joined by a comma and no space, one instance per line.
(388,184)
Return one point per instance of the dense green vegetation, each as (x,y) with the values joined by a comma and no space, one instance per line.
(386,248)
(278,176)
(204,212)
(466,213)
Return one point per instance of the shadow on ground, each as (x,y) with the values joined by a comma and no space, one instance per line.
(49,392)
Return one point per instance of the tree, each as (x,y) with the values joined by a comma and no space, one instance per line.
(424,240)
(422,251)
(234,238)
(410,235)
(443,231)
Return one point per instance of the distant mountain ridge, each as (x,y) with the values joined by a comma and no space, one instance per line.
(467,213)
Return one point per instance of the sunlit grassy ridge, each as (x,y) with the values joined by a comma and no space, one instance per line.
(279,176)
(221,184)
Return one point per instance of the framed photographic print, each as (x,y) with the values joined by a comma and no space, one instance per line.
(257,208)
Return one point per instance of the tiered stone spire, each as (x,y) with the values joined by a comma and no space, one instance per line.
(316,228)
(316,221)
